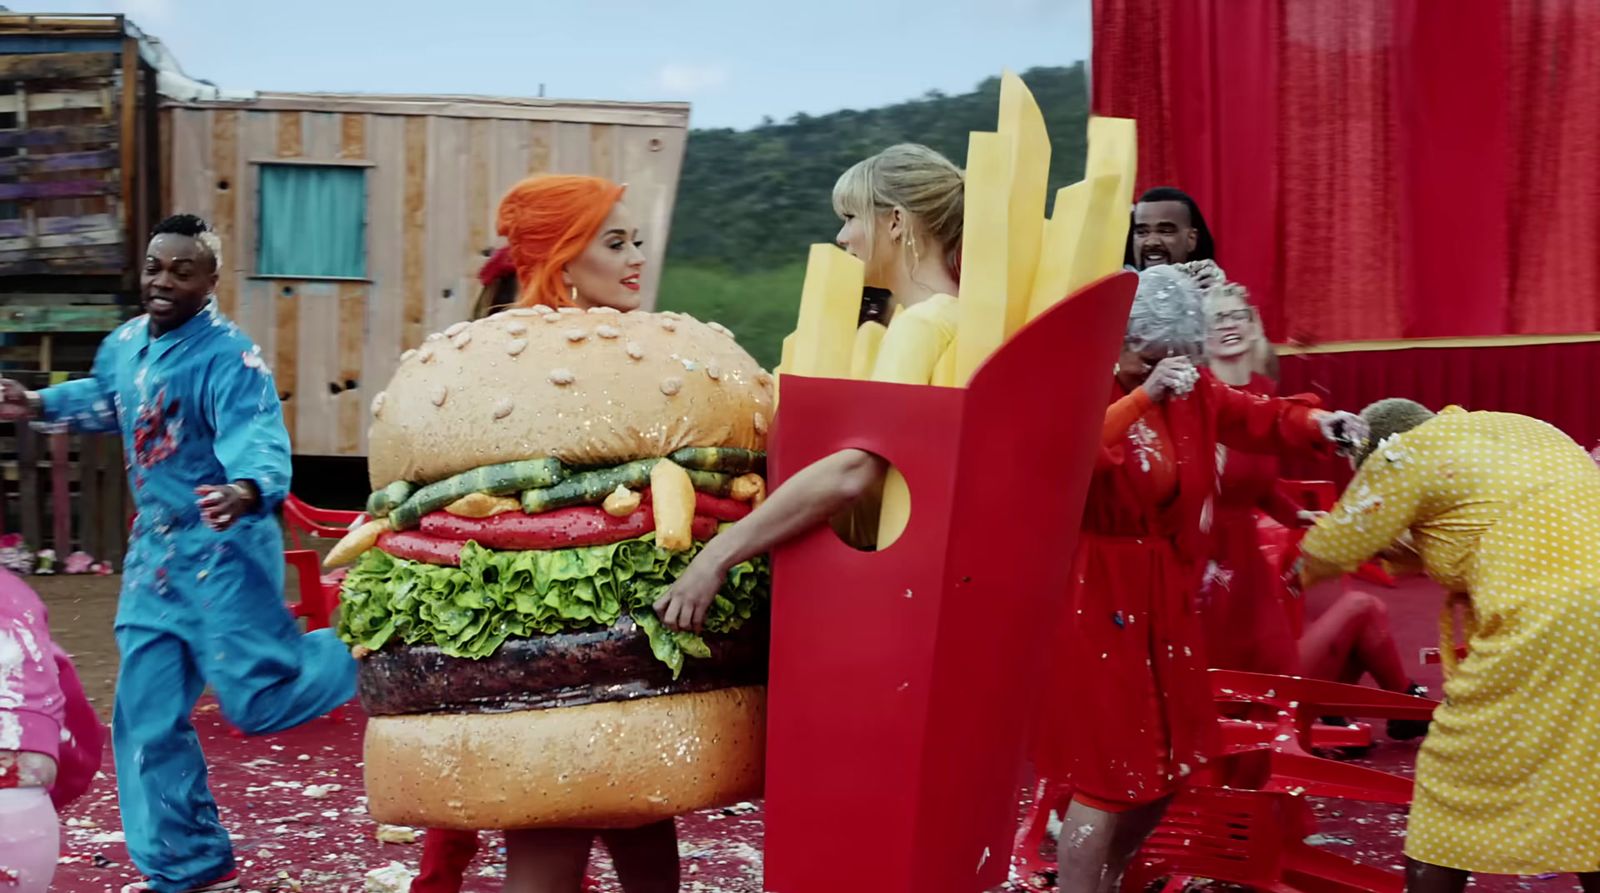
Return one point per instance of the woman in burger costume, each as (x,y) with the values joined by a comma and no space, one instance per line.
(902,211)
(571,243)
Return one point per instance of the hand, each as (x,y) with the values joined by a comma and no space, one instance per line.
(685,605)
(1347,431)
(221,506)
(15,403)
(1172,376)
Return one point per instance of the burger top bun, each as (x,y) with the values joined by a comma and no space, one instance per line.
(592,388)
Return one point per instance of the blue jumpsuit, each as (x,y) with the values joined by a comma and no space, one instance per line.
(196,406)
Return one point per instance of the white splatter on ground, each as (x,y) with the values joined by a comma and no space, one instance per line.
(302,825)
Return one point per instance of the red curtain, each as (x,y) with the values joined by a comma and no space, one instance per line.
(1555,210)
(1559,383)
(1376,169)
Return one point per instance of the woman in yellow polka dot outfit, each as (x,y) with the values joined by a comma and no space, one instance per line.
(1503,511)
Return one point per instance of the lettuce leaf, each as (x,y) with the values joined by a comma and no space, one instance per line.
(468,611)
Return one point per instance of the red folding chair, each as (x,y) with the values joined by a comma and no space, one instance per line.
(318,594)
(1251,838)
(1254,703)
(1268,731)
(302,517)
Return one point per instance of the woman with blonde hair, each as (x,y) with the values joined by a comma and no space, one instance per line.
(1243,600)
(902,211)
(572,243)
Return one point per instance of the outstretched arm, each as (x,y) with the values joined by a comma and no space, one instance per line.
(818,492)
(1273,425)
(1372,516)
(84,404)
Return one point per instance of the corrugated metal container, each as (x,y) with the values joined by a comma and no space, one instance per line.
(433,170)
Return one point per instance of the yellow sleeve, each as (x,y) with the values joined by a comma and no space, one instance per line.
(915,341)
(1380,504)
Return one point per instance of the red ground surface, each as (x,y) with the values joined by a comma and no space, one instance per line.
(293,805)
(290,836)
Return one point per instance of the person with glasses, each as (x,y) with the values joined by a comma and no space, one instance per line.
(1243,600)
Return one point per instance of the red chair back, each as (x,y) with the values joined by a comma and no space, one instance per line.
(302,517)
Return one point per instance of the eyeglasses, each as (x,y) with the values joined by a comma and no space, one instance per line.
(1223,317)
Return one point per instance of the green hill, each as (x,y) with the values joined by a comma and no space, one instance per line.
(750,202)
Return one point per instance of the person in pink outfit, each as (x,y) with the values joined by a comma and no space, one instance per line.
(50,740)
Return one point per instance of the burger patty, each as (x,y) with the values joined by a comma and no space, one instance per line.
(563,670)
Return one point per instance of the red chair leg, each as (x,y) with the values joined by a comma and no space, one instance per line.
(1299,774)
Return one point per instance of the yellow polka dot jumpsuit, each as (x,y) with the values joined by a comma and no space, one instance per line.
(1504,510)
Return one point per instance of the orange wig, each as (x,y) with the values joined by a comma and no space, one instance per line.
(547,221)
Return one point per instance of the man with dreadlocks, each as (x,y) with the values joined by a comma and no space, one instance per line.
(1503,511)
(1168,228)
(202,590)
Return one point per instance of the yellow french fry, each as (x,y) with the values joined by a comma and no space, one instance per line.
(830,306)
(1113,149)
(1052,280)
(786,356)
(985,253)
(1103,236)
(1021,119)
(785,365)
(868,339)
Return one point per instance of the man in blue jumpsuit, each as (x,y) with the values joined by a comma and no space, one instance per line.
(202,591)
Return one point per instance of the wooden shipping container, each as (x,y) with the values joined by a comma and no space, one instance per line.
(78,158)
(433,171)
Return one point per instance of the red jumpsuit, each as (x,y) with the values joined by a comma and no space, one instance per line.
(1242,607)
(1135,713)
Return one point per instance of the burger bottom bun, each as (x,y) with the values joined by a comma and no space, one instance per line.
(620,764)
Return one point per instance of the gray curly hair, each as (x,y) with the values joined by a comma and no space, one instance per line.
(1168,311)
(1388,417)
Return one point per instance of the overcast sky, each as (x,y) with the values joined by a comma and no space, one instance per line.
(735,60)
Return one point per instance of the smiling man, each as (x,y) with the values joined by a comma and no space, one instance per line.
(1168,228)
(202,589)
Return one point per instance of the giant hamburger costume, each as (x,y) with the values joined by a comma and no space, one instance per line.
(540,477)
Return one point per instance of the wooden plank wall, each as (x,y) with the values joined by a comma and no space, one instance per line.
(65,492)
(433,187)
(60,165)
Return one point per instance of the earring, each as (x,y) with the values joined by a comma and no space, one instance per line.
(572,293)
